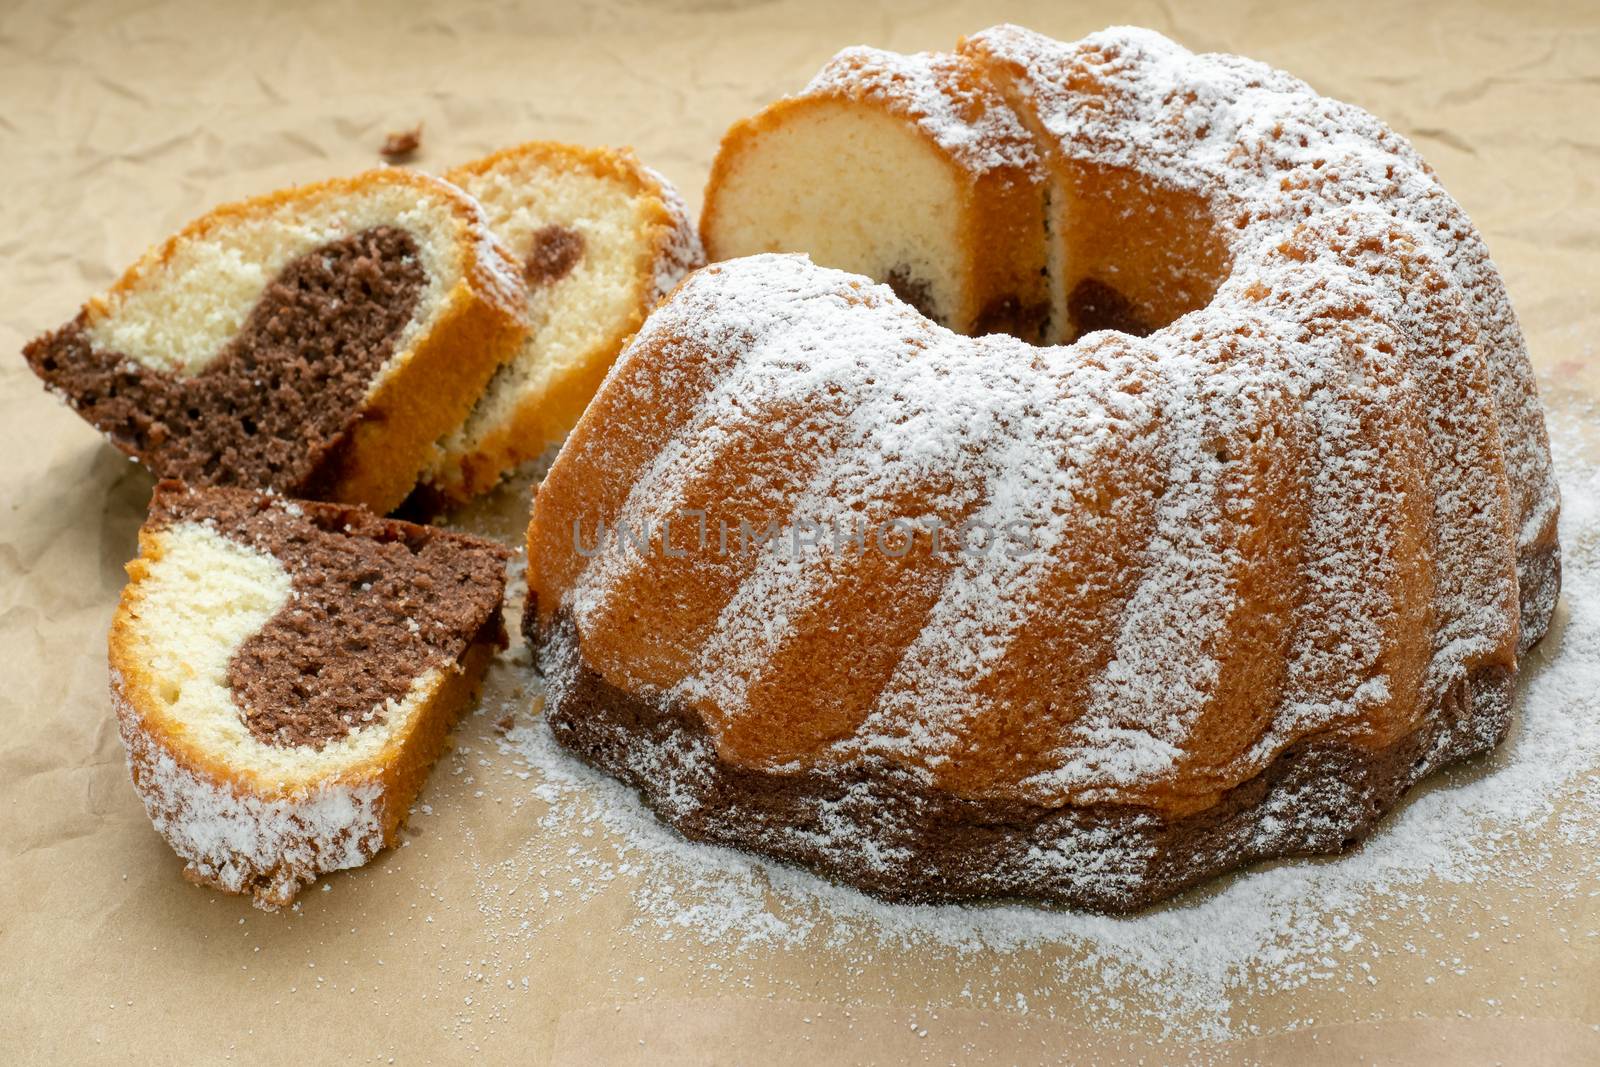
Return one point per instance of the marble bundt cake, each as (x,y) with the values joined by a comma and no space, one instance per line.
(952,617)
(315,342)
(285,673)
(603,239)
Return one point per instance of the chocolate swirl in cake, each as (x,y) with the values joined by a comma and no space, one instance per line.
(375,603)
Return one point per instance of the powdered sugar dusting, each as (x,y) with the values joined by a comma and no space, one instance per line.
(1524,818)
(244,843)
(678,250)
(943,93)
(989,427)
(1269,152)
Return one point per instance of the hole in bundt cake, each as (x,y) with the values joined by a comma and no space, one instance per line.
(1139,254)
(1008,314)
(983,234)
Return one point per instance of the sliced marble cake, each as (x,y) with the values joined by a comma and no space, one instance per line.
(602,238)
(285,673)
(316,342)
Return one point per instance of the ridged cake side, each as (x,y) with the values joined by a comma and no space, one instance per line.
(1266,152)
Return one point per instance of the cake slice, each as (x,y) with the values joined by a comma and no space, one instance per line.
(315,342)
(601,239)
(285,673)
(909,169)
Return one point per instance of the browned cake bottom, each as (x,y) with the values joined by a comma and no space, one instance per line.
(882,829)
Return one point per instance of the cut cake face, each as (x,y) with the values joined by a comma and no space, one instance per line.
(314,342)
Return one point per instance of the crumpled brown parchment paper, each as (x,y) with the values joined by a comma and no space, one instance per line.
(121,120)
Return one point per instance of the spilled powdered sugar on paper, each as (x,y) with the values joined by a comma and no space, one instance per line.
(1180,970)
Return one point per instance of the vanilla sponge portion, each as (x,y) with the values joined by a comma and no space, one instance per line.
(780,192)
(602,239)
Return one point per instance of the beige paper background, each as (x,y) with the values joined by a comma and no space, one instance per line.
(119,121)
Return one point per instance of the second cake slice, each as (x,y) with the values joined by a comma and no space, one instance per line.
(601,239)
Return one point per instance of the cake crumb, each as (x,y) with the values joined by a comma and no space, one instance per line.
(401,145)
